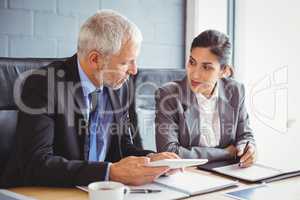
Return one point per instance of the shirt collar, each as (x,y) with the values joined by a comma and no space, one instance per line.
(202,98)
(87,86)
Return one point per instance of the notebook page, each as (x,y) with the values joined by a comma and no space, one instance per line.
(195,183)
(166,193)
(252,173)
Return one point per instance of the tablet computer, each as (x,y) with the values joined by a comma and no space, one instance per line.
(177,163)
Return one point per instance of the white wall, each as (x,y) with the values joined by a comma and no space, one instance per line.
(203,15)
(267,61)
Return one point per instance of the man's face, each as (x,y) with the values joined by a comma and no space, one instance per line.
(118,68)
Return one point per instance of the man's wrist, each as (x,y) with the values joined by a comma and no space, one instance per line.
(107,176)
(111,171)
(149,155)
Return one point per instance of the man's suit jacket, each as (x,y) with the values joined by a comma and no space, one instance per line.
(50,145)
(178,120)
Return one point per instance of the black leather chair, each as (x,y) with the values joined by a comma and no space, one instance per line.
(10,70)
(142,110)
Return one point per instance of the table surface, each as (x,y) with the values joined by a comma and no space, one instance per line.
(48,193)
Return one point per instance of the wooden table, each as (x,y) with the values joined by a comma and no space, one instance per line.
(47,193)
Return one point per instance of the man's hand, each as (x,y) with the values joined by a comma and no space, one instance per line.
(249,156)
(132,171)
(166,155)
(163,155)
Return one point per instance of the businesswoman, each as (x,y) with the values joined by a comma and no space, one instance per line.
(204,115)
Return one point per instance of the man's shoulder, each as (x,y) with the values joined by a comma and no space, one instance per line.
(43,81)
(51,72)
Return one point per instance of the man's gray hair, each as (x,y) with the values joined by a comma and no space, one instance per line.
(106,31)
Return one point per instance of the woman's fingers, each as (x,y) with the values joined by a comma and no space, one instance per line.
(249,159)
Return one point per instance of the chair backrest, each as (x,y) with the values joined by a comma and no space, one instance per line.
(147,82)
(142,109)
(10,69)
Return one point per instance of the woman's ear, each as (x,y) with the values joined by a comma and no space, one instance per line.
(226,72)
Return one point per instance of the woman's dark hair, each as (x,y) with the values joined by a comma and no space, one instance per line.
(217,42)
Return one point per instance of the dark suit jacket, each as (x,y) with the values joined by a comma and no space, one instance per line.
(178,124)
(49,147)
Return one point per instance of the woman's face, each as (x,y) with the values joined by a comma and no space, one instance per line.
(203,70)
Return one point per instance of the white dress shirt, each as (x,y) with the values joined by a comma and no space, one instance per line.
(210,131)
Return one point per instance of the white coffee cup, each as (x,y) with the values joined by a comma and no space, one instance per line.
(109,190)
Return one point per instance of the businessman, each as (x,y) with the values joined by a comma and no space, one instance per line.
(73,125)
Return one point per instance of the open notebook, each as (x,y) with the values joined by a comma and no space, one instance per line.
(255,173)
(181,185)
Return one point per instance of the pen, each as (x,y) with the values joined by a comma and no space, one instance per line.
(244,152)
(144,191)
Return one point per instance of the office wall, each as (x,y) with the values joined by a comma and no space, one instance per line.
(267,62)
(49,28)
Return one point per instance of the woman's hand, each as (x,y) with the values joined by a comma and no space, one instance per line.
(232,150)
(249,156)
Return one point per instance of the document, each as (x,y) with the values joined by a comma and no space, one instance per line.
(258,172)
(179,185)
(252,173)
(191,183)
(166,193)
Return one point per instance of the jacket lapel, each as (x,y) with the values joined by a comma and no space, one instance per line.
(77,110)
(115,151)
(226,113)
(115,104)
(191,112)
(75,89)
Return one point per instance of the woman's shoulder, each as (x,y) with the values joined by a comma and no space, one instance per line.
(172,87)
(230,83)
(233,89)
